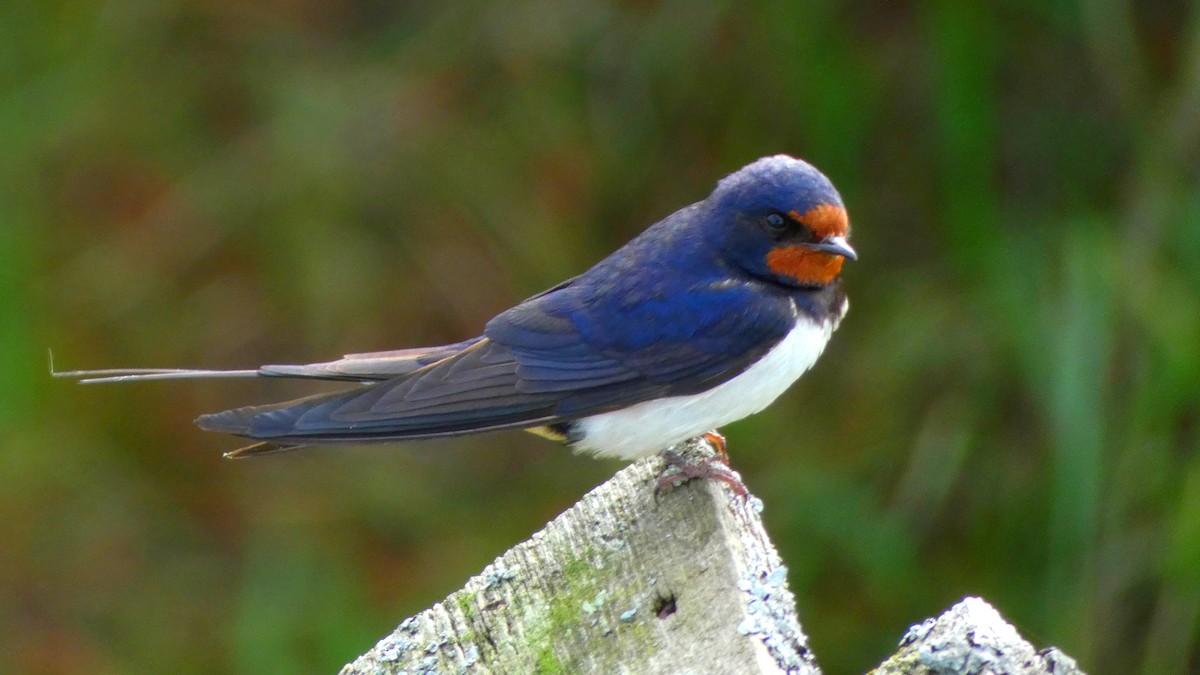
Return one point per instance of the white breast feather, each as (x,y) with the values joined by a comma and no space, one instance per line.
(652,426)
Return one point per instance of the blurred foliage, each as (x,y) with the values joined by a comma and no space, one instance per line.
(1011,408)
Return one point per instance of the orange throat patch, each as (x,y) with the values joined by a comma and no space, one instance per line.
(804,264)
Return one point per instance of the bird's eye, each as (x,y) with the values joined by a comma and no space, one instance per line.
(775,223)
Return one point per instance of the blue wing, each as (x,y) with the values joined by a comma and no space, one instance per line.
(576,350)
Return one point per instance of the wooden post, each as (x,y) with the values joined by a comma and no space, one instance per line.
(619,583)
(972,637)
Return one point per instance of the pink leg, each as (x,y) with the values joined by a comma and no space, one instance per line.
(687,468)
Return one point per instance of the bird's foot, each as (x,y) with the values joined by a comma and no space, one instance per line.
(682,468)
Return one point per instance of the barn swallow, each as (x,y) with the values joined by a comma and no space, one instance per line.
(706,317)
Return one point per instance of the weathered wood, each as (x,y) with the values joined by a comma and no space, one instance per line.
(619,583)
(972,638)
(623,582)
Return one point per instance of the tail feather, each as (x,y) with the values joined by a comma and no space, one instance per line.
(240,422)
(243,422)
(260,449)
(367,367)
(144,374)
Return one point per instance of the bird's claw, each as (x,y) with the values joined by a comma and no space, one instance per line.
(681,469)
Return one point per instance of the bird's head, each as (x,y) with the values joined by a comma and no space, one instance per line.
(781,219)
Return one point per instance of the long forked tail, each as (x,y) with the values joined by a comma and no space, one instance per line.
(363,368)
(367,367)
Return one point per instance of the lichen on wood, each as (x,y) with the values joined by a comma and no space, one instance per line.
(972,638)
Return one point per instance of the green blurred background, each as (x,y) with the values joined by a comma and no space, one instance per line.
(1010,409)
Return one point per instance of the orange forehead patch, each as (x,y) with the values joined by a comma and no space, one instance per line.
(804,264)
(826,220)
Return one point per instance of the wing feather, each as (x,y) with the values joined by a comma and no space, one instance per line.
(558,356)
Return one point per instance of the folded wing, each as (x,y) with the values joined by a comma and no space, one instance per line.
(556,357)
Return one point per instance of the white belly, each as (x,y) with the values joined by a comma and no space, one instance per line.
(652,426)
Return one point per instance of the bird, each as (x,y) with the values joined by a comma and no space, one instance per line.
(703,319)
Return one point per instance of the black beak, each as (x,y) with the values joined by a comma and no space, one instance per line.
(836,246)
